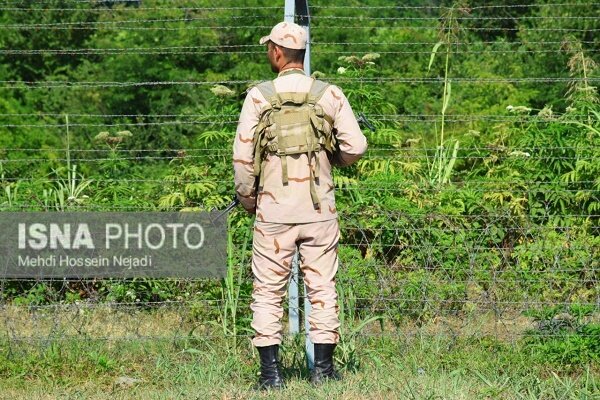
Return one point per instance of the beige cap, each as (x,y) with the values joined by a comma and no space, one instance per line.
(287,34)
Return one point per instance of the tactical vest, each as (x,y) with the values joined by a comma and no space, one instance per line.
(292,123)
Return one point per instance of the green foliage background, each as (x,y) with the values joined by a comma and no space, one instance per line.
(480,189)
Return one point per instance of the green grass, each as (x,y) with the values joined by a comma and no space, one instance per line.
(418,366)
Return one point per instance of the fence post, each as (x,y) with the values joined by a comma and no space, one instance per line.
(300,8)
(294,310)
(304,21)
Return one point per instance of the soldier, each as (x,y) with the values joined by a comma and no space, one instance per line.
(291,131)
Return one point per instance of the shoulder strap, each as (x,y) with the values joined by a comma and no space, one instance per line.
(267,89)
(317,90)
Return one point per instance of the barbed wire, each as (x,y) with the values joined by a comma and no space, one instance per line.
(385,154)
(194,301)
(372,149)
(478,18)
(43,114)
(404,304)
(459,43)
(433,265)
(432,251)
(75,206)
(68,25)
(59,337)
(474,186)
(447,7)
(186,49)
(51,26)
(398,280)
(37,51)
(73,307)
(408,184)
(430,119)
(144,9)
(166,123)
(106,26)
(234,122)
(12,84)
(367,156)
(215,118)
(465,28)
(387,212)
(315,53)
(263,17)
(529,229)
(467,275)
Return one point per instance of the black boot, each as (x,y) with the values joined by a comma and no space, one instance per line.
(270,375)
(323,369)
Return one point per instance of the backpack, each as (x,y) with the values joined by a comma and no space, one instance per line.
(292,123)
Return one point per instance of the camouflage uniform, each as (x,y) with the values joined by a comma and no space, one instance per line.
(286,217)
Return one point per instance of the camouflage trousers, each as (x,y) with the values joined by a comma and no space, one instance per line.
(274,246)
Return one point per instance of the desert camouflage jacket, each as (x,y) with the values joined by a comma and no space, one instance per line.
(291,203)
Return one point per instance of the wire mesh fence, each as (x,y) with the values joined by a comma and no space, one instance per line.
(491,229)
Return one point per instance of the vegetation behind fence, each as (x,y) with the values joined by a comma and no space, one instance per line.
(478,199)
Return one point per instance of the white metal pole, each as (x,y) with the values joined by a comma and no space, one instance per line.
(290,11)
(294,304)
(304,21)
(302,13)
(291,8)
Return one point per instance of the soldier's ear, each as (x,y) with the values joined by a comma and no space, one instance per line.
(278,51)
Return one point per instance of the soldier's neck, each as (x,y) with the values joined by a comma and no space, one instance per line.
(291,70)
(291,66)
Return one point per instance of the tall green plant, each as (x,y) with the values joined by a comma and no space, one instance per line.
(350,329)
(66,193)
(231,287)
(444,158)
